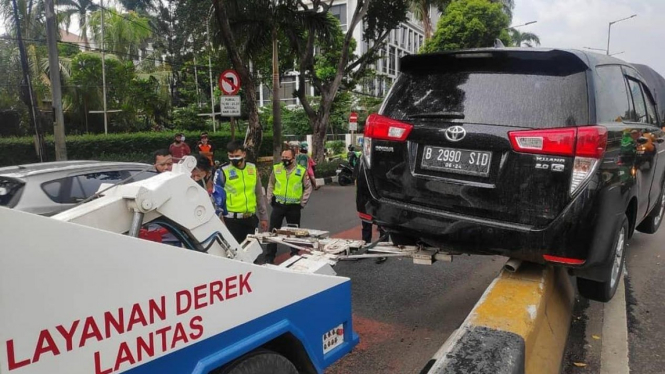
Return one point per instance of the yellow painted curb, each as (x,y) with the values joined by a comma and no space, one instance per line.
(536,303)
(520,325)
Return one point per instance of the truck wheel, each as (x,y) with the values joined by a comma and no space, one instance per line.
(260,362)
(652,222)
(604,291)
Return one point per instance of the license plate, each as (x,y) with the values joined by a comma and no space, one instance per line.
(454,160)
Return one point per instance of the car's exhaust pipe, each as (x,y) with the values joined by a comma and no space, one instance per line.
(512,265)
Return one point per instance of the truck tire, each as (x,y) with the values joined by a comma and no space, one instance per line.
(604,291)
(260,362)
(652,222)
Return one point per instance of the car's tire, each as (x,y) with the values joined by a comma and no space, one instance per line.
(652,222)
(260,362)
(603,291)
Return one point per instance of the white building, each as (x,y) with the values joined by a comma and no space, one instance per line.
(406,39)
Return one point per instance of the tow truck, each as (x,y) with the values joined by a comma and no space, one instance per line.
(81,292)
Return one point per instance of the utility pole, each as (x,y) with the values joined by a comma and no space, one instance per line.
(106,118)
(56,90)
(212,92)
(276,109)
(33,112)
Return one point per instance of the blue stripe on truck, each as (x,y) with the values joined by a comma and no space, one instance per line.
(307,320)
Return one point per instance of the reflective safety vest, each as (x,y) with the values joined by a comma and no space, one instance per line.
(240,188)
(289,190)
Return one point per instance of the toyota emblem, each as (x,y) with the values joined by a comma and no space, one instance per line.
(455,133)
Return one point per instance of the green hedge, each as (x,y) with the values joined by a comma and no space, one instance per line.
(118,147)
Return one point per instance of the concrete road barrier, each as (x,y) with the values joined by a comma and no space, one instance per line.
(519,325)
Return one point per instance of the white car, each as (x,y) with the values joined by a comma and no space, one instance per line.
(49,188)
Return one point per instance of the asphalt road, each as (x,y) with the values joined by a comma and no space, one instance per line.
(402,312)
(645,308)
(405,312)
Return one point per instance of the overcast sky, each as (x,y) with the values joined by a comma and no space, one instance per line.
(583,23)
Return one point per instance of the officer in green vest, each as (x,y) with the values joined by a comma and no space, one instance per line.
(288,192)
(238,194)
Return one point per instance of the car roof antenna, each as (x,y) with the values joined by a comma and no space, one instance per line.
(498,43)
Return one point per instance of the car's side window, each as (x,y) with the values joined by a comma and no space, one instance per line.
(76,194)
(651,107)
(640,113)
(91,182)
(52,189)
(611,95)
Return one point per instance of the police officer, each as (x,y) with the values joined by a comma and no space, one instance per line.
(288,191)
(238,194)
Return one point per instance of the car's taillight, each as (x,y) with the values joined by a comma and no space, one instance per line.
(383,128)
(587,144)
(560,142)
(379,127)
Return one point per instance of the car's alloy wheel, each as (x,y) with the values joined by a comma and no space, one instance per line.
(657,219)
(618,258)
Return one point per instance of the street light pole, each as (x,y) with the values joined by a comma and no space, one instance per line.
(525,24)
(609,30)
(106,118)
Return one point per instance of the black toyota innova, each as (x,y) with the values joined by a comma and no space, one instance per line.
(544,155)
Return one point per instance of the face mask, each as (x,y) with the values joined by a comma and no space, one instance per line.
(287,162)
(236,161)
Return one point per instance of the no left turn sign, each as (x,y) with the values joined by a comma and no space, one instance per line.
(229,82)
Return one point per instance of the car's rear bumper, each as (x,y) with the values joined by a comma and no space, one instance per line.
(584,230)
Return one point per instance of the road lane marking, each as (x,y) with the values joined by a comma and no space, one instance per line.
(614,352)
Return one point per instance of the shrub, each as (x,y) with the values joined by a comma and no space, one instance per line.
(120,147)
(326,169)
(337,146)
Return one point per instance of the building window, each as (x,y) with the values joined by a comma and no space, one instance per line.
(420,38)
(391,61)
(339,11)
(286,90)
(410,45)
(404,36)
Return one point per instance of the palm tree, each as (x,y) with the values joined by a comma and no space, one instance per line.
(124,33)
(524,38)
(421,9)
(80,8)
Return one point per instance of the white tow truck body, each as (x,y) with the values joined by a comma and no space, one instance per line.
(79,295)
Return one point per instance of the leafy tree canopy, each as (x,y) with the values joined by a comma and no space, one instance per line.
(470,24)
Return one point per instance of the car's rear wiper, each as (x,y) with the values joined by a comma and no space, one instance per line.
(454,115)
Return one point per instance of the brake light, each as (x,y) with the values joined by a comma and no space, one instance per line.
(587,144)
(564,260)
(591,142)
(384,128)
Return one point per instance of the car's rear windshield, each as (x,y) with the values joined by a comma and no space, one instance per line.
(10,191)
(487,97)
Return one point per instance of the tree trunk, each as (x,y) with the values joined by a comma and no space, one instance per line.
(276,108)
(427,22)
(319,140)
(83,26)
(255,133)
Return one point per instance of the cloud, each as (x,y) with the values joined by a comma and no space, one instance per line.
(583,23)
